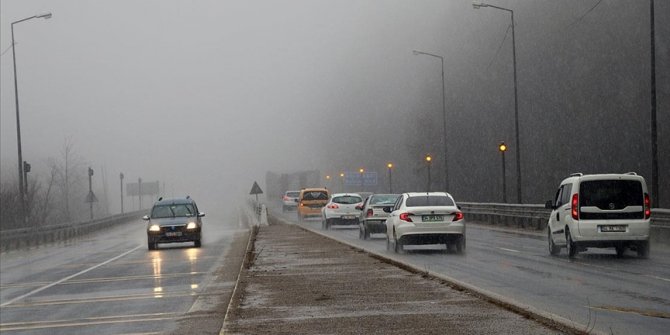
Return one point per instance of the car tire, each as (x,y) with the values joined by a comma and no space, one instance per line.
(643,249)
(388,243)
(553,248)
(620,250)
(283,209)
(360,233)
(366,233)
(328,224)
(152,246)
(197,243)
(570,244)
(460,245)
(397,246)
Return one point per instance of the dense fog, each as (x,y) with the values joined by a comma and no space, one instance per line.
(207,96)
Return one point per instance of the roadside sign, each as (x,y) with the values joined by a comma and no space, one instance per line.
(90,197)
(354,178)
(256,189)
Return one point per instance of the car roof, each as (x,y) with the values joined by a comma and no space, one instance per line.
(174,201)
(420,194)
(602,176)
(314,189)
(345,194)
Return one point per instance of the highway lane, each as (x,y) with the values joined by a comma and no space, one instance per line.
(109,283)
(622,296)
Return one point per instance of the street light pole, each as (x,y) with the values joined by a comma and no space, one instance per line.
(342,181)
(429,160)
(444,117)
(516,101)
(503,147)
(654,134)
(22,189)
(121,178)
(390,167)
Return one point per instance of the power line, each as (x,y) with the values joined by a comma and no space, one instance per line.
(579,19)
(499,47)
(9,47)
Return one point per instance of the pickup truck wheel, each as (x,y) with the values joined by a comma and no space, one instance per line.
(571,245)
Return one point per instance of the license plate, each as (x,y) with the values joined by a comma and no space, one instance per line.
(173,233)
(612,229)
(348,217)
(432,218)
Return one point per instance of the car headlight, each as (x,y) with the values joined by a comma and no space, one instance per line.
(191,225)
(154,227)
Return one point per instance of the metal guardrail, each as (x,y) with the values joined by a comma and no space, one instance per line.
(535,217)
(37,235)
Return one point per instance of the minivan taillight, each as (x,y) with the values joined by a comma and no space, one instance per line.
(405,217)
(369,213)
(458,216)
(647,206)
(575,206)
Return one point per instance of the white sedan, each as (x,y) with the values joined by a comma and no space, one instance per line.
(341,210)
(425,218)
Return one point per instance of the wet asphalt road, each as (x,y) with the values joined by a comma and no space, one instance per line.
(109,283)
(619,296)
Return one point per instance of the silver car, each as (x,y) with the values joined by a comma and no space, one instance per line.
(373,217)
(174,220)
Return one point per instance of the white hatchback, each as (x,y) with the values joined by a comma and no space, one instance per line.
(341,210)
(425,218)
(601,211)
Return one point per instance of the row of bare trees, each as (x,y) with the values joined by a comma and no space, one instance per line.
(53,196)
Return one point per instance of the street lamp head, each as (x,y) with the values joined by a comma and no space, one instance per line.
(502,147)
(476,5)
(361,170)
(429,158)
(328,177)
(389,165)
(342,174)
(45,16)
(416,52)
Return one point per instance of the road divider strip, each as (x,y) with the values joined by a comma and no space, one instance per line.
(546,318)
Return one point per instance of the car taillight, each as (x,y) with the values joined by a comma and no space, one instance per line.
(285,198)
(647,206)
(369,213)
(302,204)
(575,206)
(333,206)
(405,217)
(458,216)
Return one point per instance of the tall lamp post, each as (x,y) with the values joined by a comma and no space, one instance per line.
(502,148)
(390,168)
(362,172)
(429,161)
(22,190)
(654,134)
(121,178)
(444,117)
(327,181)
(516,101)
(342,181)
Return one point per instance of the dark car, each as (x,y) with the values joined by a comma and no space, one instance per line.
(373,217)
(174,220)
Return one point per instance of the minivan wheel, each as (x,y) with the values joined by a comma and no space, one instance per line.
(571,245)
(553,249)
(643,249)
(620,249)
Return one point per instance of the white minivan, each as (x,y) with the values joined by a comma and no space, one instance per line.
(600,211)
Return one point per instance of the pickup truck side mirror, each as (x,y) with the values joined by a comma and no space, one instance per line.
(145,218)
(387,209)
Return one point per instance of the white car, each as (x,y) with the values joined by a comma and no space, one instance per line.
(341,210)
(601,211)
(290,200)
(425,218)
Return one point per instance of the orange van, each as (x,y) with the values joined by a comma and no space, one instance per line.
(310,202)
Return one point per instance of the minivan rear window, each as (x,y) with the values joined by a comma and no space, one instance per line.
(611,194)
(431,200)
(315,195)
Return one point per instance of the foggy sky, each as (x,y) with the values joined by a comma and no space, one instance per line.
(209,95)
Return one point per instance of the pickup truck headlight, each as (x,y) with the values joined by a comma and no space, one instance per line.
(191,225)
(154,227)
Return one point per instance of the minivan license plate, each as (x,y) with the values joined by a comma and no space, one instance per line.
(613,228)
(432,218)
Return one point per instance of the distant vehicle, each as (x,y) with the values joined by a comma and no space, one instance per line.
(310,201)
(174,220)
(601,211)
(372,219)
(289,200)
(341,210)
(425,218)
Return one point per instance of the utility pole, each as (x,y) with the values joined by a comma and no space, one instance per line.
(654,135)
(121,178)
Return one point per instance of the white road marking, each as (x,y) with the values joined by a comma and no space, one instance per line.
(68,278)
(510,250)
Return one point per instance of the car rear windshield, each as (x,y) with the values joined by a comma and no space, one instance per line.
(347,199)
(429,200)
(611,194)
(315,195)
(170,211)
(386,199)
(293,194)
